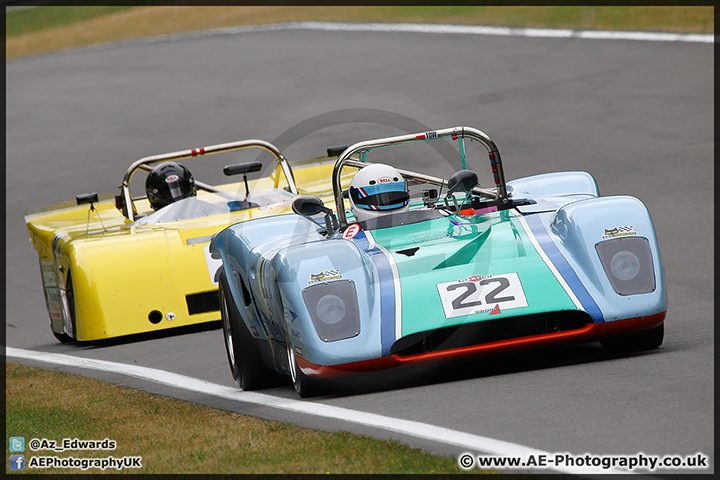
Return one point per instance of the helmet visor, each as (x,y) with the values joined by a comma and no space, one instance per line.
(386,196)
(175,188)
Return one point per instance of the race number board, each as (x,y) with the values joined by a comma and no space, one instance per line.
(482,294)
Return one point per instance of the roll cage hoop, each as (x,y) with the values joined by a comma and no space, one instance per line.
(455,133)
(125,199)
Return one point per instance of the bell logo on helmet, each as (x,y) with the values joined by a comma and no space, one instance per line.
(172,178)
(385,180)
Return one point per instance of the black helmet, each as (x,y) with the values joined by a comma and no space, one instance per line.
(168,183)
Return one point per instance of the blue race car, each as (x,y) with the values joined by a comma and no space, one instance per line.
(426,269)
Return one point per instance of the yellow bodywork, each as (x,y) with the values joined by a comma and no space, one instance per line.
(105,276)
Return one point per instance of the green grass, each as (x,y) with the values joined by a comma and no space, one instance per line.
(33,20)
(178,437)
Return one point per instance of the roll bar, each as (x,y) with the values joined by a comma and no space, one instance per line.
(500,193)
(125,199)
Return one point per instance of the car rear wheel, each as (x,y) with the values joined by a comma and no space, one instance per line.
(646,340)
(243,353)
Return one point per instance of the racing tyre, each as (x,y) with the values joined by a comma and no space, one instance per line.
(62,337)
(646,340)
(246,364)
(304,385)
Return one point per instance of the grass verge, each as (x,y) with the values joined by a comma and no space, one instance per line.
(45,29)
(175,437)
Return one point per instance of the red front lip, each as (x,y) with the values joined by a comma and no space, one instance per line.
(590,333)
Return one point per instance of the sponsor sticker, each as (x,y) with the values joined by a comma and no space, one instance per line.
(324,276)
(619,232)
(427,136)
(351,231)
(172,178)
(48,273)
(53,298)
(491,294)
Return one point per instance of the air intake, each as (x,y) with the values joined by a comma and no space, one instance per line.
(489,331)
(203,302)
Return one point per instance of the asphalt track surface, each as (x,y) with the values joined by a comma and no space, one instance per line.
(637,115)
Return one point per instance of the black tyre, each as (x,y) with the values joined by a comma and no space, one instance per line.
(304,385)
(646,340)
(62,337)
(243,353)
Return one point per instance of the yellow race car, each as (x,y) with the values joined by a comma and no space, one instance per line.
(125,265)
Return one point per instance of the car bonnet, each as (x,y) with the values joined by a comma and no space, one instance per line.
(456,270)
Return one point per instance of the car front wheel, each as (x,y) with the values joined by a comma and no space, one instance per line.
(304,385)
(246,364)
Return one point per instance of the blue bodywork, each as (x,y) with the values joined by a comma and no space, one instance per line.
(537,261)
(277,258)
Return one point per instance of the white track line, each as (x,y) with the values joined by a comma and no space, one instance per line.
(425,431)
(437,29)
(506,31)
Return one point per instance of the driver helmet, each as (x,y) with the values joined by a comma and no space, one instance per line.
(168,183)
(377,190)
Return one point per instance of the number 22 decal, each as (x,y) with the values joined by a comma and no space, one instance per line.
(482,294)
(471,287)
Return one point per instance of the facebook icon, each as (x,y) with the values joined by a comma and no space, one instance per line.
(17,462)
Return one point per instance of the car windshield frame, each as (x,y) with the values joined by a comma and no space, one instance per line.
(126,202)
(218,203)
(460,133)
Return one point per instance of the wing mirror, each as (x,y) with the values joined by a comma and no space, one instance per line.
(92,199)
(307,206)
(87,198)
(336,151)
(462,181)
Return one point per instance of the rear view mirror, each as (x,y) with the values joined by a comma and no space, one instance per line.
(307,206)
(87,198)
(242,168)
(336,151)
(462,181)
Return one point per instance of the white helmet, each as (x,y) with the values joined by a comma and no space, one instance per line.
(376,190)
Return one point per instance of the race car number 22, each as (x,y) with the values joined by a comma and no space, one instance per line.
(482,294)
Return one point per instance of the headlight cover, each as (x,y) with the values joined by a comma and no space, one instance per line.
(628,264)
(333,309)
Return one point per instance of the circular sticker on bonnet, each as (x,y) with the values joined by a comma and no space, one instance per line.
(351,231)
